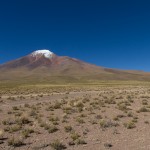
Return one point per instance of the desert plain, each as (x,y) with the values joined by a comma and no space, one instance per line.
(111,115)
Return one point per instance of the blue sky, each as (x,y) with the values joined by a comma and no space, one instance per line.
(114,34)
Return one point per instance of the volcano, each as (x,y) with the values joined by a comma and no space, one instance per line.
(44,64)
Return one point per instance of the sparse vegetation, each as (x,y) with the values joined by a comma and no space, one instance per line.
(86,118)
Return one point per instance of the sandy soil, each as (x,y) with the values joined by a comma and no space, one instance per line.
(116,118)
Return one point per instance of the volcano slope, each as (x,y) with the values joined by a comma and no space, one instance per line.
(45,66)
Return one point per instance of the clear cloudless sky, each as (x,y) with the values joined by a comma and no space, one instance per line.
(109,33)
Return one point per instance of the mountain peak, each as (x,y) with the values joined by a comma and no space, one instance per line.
(43,52)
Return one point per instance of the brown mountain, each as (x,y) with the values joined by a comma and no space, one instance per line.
(45,65)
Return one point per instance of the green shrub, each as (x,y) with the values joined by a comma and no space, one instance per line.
(130,125)
(68,128)
(15,142)
(57,145)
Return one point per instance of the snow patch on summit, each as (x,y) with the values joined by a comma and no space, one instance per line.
(46,53)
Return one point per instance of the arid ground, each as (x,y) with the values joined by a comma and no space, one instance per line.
(112,116)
